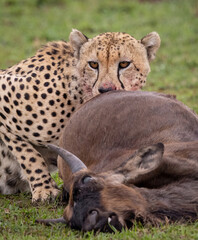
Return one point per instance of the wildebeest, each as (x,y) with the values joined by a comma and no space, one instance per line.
(140,154)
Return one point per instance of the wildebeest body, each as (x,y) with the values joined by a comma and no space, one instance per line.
(107,131)
(141,153)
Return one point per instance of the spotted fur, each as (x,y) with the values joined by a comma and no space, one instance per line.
(39,94)
(10,173)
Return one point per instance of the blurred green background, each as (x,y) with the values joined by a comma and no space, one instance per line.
(25,25)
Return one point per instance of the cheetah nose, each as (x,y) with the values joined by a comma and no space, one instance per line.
(106,89)
(103,90)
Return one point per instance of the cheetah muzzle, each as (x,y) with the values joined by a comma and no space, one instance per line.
(40,94)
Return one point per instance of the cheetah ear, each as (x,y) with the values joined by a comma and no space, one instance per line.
(77,39)
(151,42)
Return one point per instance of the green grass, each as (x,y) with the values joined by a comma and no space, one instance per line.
(26,25)
(17,221)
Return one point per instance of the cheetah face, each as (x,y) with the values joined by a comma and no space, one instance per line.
(113,61)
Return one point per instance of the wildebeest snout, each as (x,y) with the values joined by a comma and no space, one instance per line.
(101,221)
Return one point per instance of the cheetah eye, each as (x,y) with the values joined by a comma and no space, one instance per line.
(124,64)
(93,65)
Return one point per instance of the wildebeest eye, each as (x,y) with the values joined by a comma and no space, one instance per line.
(124,64)
(86,179)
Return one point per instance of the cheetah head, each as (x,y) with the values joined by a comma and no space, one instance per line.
(113,60)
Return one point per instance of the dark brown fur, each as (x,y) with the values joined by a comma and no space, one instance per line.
(108,130)
(131,175)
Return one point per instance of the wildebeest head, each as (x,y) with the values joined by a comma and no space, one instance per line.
(98,205)
(101,202)
(85,210)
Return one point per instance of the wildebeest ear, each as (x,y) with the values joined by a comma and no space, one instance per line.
(146,161)
(152,43)
(77,39)
(149,157)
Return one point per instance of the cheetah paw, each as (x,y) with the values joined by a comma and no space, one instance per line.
(42,194)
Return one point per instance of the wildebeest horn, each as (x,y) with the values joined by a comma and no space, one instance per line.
(74,163)
(48,222)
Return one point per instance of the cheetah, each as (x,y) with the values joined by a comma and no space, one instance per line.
(40,94)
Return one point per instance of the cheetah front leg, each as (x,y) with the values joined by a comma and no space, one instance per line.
(33,166)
